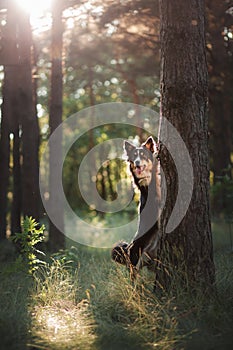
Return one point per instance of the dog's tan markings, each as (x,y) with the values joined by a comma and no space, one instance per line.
(144,167)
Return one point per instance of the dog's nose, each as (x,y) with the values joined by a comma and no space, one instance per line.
(137,163)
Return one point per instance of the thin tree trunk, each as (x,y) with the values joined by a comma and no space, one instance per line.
(17,190)
(4,157)
(188,248)
(56,230)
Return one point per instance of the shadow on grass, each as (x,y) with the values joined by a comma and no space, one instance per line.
(118,338)
(92,305)
(128,316)
(14,300)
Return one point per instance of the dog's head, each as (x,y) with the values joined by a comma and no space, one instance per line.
(141,160)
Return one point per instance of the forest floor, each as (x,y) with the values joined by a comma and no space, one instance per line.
(81,300)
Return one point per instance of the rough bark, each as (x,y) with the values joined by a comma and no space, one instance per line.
(188,249)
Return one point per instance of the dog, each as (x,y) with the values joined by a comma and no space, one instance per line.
(144,167)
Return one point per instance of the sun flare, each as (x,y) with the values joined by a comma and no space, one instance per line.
(35,7)
(40,14)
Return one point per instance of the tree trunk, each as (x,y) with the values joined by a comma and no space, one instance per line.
(188,248)
(4,153)
(17,190)
(9,93)
(56,230)
(29,121)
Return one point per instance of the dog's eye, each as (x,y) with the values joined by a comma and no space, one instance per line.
(143,155)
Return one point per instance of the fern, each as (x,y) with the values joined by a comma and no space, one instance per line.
(31,235)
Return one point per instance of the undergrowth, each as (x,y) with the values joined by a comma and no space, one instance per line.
(27,241)
(80,300)
(93,302)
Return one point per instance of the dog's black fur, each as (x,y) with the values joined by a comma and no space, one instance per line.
(144,166)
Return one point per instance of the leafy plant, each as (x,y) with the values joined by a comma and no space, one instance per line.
(66,256)
(31,235)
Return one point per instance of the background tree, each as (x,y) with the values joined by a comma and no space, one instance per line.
(220,24)
(9,92)
(19,127)
(29,121)
(220,63)
(56,236)
(184,90)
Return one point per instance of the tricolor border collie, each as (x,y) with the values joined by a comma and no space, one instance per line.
(144,166)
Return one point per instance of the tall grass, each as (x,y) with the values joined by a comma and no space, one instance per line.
(61,320)
(82,300)
(92,304)
(74,308)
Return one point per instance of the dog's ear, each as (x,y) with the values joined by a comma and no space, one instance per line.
(150,144)
(128,147)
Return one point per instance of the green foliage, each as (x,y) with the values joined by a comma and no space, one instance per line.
(222,197)
(66,257)
(28,239)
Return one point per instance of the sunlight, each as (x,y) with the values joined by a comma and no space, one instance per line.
(35,7)
(40,16)
(63,324)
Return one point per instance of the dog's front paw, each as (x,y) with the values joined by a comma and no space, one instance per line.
(120,253)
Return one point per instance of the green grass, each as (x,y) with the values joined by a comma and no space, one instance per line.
(90,303)
(222,235)
(14,312)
